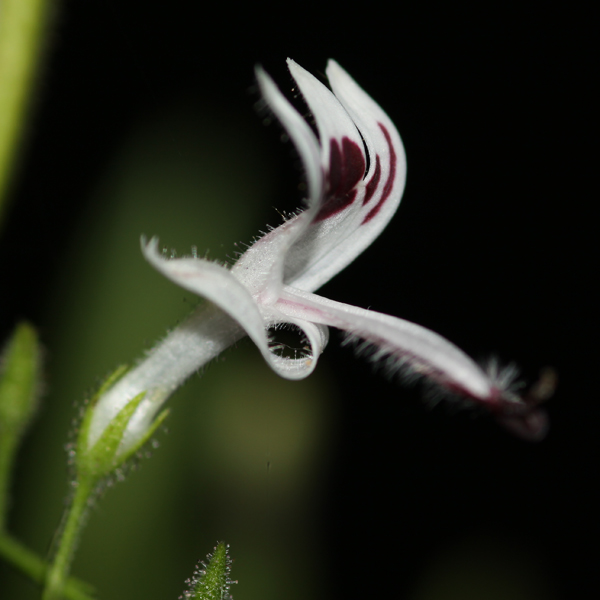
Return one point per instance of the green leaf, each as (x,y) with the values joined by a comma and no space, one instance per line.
(20,374)
(211,582)
(20,368)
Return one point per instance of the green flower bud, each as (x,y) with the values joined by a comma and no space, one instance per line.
(103,456)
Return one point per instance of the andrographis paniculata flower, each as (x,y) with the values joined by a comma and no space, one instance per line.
(355,173)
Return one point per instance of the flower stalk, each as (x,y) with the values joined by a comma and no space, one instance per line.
(94,463)
(68,537)
(30,564)
(21,37)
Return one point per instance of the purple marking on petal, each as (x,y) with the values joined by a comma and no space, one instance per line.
(372,185)
(387,188)
(335,205)
(336,168)
(346,168)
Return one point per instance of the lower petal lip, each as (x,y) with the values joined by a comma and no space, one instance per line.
(427,352)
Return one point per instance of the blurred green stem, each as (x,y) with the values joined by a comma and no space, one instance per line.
(35,568)
(8,449)
(21,26)
(20,374)
(58,570)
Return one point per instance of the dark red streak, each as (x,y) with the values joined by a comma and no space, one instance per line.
(346,168)
(389,184)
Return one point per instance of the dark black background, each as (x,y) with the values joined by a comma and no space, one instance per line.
(494,244)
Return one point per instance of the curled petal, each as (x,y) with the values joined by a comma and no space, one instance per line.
(213,282)
(316,336)
(220,286)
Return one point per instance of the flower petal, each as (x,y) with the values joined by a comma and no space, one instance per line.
(316,336)
(423,350)
(387,176)
(356,205)
(218,285)
(347,207)
(302,135)
(343,155)
(260,268)
(213,282)
(405,344)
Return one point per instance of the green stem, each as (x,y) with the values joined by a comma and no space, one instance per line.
(21,26)
(58,571)
(34,567)
(8,447)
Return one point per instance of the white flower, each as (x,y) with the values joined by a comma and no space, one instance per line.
(355,171)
